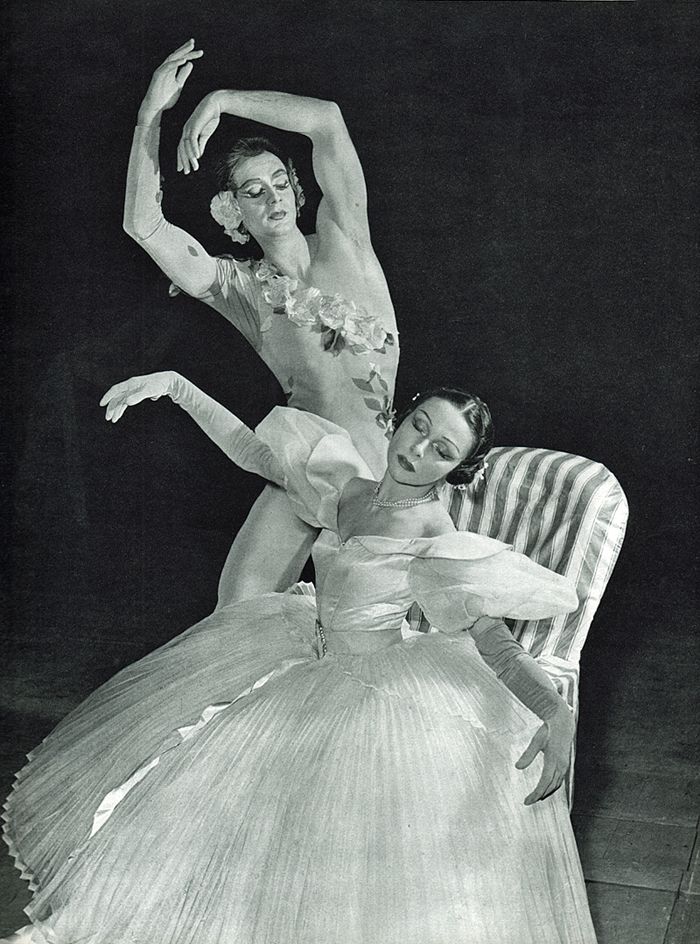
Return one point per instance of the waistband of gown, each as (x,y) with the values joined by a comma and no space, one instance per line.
(355,641)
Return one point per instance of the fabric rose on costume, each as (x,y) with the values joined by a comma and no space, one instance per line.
(333,311)
(265,272)
(354,325)
(279,293)
(302,309)
(227,213)
(342,324)
(363,330)
(278,290)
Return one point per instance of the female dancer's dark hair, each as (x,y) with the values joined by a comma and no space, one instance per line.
(478,418)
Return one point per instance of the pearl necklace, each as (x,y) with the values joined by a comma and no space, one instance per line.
(378,502)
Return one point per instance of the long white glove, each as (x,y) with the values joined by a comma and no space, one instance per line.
(532,686)
(230,434)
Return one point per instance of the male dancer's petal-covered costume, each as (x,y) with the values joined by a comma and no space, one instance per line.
(332,356)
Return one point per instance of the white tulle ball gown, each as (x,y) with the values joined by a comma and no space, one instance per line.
(260,781)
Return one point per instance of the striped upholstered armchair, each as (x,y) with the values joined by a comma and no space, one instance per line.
(565,512)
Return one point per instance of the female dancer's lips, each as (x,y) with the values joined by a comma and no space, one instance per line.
(405,464)
(277,215)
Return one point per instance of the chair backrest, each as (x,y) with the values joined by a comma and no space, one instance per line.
(565,512)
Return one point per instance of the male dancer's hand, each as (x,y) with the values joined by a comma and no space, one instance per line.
(198,128)
(168,81)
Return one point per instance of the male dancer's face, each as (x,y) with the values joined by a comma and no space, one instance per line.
(265,196)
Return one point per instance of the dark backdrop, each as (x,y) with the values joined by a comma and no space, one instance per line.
(532,180)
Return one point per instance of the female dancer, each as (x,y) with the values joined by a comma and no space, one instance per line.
(297,771)
(316,309)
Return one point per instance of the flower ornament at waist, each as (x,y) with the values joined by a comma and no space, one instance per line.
(226,211)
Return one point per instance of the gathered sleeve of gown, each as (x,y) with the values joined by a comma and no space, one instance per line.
(311,458)
(318,459)
(461,576)
(470,582)
(221,282)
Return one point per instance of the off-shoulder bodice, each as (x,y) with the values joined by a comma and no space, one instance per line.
(368,582)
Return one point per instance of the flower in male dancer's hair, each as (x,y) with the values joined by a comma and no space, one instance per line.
(296,186)
(226,211)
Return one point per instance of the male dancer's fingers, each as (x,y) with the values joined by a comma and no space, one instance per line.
(190,150)
(204,135)
(181,50)
(183,74)
(182,164)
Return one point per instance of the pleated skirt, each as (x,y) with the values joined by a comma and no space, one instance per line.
(235,787)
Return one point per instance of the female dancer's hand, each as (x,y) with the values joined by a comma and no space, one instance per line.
(198,128)
(168,81)
(553,740)
(130,392)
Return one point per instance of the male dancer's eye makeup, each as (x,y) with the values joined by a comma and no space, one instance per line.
(254,194)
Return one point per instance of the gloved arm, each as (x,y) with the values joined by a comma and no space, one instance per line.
(532,686)
(180,256)
(230,434)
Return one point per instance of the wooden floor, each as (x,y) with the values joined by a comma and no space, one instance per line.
(637,782)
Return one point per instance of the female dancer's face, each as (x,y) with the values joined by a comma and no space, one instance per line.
(430,442)
(265,196)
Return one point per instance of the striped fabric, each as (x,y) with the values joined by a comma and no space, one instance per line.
(565,512)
